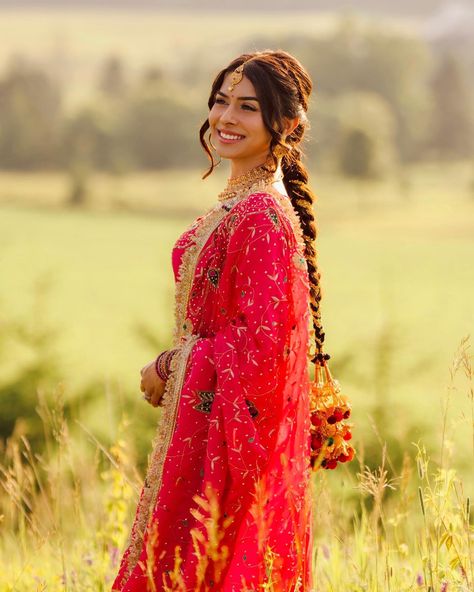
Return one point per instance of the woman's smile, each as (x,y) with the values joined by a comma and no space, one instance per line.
(229,137)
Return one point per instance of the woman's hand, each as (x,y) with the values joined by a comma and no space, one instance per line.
(151,384)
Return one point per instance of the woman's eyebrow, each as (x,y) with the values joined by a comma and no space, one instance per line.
(219,92)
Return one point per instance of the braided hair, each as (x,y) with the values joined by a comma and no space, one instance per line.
(283,87)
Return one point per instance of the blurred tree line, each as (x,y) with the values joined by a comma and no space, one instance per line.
(381,99)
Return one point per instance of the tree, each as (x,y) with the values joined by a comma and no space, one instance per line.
(161,127)
(112,79)
(357,154)
(357,57)
(30,118)
(453,124)
(91,138)
(366,146)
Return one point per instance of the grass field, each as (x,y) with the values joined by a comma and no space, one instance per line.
(396,261)
(392,260)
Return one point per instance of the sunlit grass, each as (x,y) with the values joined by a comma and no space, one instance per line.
(65,514)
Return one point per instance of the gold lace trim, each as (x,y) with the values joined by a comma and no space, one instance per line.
(187,268)
(160,447)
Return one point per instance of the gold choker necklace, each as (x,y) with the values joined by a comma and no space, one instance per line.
(257,178)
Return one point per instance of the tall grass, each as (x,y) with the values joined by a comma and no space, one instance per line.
(65,512)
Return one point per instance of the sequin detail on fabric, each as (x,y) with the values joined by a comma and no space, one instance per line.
(206,398)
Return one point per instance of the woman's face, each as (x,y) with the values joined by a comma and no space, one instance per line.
(236,124)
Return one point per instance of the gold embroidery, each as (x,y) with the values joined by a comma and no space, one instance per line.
(184,341)
(273,216)
(213,276)
(188,265)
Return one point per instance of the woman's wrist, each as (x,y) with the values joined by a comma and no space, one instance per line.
(163,363)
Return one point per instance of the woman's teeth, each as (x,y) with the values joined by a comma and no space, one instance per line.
(229,136)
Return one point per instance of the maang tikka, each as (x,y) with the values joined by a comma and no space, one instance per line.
(237,75)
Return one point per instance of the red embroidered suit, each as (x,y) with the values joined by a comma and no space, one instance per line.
(234,426)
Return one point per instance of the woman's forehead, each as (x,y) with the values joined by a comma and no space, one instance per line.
(244,87)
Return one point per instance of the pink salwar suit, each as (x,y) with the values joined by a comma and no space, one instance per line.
(227,501)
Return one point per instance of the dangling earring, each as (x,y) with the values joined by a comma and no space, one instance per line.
(209,140)
(279,151)
(214,148)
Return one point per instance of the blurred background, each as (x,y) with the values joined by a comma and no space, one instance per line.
(101,170)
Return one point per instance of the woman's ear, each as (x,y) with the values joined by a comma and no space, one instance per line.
(290,125)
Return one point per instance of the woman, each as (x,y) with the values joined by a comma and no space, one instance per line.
(226,503)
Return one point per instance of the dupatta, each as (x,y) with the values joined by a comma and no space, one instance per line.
(227,499)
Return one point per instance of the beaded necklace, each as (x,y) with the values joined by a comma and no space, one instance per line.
(257,178)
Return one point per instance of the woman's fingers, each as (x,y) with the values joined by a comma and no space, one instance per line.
(151,385)
(155,398)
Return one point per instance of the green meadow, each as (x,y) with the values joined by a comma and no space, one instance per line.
(396,262)
(395,259)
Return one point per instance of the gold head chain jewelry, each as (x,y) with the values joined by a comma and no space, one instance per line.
(237,75)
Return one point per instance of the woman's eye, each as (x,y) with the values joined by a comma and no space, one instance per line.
(246,107)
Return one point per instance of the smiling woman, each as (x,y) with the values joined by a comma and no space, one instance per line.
(236,124)
(226,503)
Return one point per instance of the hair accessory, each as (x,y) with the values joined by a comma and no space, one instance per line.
(238,74)
(329,409)
(236,77)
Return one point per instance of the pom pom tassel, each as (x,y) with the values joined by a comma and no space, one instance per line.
(330,432)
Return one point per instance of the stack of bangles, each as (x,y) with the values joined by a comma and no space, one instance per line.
(163,363)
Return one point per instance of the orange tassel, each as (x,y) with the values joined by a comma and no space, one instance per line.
(330,433)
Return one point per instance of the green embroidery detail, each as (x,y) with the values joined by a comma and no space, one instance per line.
(205,404)
(273,216)
(213,275)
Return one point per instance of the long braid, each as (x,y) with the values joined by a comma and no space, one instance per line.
(302,198)
(283,87)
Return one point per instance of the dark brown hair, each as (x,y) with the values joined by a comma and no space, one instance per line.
(283,88)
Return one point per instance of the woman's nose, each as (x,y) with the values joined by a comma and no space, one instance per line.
(229,114)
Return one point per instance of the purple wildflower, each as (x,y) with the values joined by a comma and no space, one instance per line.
(114,555)
(88,559)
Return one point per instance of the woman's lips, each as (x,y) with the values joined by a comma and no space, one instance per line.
(231,139)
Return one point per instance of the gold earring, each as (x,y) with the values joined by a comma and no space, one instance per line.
(210,142)
(279,151)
